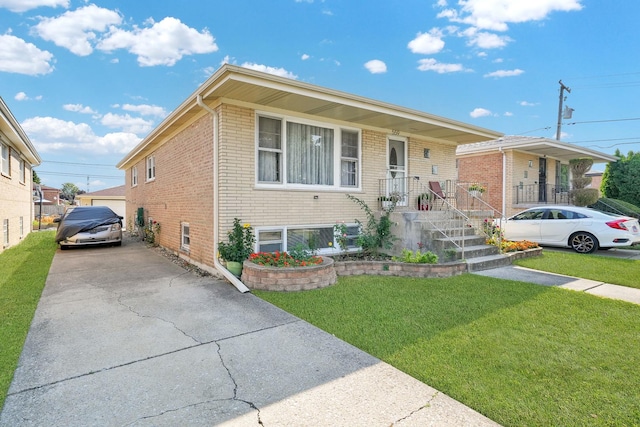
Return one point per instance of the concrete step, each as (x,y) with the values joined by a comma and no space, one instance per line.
(478,251)
(441,244)
(488,262)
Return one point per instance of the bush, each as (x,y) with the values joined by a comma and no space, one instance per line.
(584,196)
(283,259)
(417,257)
(616,206)
(376,234)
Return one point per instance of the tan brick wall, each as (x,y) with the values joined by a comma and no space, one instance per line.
(16,201)
(183,188)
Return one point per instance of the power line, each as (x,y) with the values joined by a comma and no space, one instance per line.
(604,121)
(79,164)
(79,174)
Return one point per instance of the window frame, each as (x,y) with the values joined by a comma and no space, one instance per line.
(134,176)
(185,246)
(150,162)
(23,171)
(333,249)
(283,183)
(5,232)
(5,163)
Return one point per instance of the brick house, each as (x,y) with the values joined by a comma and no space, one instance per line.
(281,155)
(520,172)
(17,158)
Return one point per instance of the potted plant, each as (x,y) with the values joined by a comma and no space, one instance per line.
(391,199)
(239,247)
(423,201)
(477,189)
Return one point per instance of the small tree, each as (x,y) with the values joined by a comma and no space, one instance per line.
(69,191)
(581,195)
(36,178)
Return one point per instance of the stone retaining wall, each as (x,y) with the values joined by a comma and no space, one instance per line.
(386,268)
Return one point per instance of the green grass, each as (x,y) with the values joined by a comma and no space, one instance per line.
(23,272)
(595,267)
(522,354)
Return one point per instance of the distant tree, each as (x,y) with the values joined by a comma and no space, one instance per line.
(621,179)
(69,191)
(36,178)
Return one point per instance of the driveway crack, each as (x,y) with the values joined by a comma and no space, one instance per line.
(412,413)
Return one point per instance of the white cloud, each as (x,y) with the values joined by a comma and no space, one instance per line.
(304,57)
(375,66)
(497,14)
(21,96)
(76,30)
(508,114)
(78,108)
(485,40)
(480,112)
(18,56)
(430,64)
(52,135)
(164,43)
(427,43)
(527,104)
(505,73)
(24,5)
(270,70)
(146,110)
(128,124)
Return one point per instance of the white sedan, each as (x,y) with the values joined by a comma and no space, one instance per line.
(583,229)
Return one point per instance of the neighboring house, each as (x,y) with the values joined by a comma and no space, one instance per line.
(596,180)
(280,155)
(50,195)
(113,197)
(17,158)
(520,172)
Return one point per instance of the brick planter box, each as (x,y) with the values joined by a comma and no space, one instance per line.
(256,276)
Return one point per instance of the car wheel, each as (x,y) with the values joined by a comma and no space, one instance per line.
(583,242)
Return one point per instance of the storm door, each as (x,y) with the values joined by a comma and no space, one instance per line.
(542,181)
(397,171)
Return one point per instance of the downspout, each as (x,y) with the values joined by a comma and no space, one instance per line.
(216,220)
(504,181)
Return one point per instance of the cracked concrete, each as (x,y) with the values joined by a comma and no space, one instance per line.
(124,337)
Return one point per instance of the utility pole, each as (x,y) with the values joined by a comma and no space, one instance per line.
(562,89)
(88,184)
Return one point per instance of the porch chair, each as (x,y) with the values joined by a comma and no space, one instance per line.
(434,186)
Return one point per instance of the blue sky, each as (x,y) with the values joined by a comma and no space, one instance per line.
(88,80)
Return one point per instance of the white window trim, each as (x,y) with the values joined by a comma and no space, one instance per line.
(150,168)
(182,235)
(23,171)
(334,250)
(4,161)
(134,176)
(337,155)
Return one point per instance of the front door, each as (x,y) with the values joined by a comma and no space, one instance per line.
(542,181)
(397,170)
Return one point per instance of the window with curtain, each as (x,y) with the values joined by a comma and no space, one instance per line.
(306,154)
(269,150)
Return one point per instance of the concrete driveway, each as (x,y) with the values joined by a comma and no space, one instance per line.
(125,337)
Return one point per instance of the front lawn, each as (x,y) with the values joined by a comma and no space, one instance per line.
(519,353)
(595,267)
(23,272)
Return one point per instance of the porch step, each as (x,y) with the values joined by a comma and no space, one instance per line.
(470,241)
(477,251)
(488,262)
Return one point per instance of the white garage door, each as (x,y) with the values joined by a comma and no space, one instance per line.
(118,206)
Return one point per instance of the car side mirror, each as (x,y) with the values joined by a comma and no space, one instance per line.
(56,220)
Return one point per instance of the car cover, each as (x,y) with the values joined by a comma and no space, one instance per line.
(84,218)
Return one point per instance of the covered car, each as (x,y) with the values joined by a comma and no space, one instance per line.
(89,225)
(582,229)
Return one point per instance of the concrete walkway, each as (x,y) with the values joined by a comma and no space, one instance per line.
(124,337)
(593,287)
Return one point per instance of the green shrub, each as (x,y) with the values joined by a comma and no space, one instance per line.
(417,257)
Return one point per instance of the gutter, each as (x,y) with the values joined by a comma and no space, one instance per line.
(216,220)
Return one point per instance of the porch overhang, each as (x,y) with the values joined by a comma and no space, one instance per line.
(539,147)
(233,84)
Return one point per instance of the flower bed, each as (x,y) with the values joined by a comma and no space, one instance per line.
(302,278)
